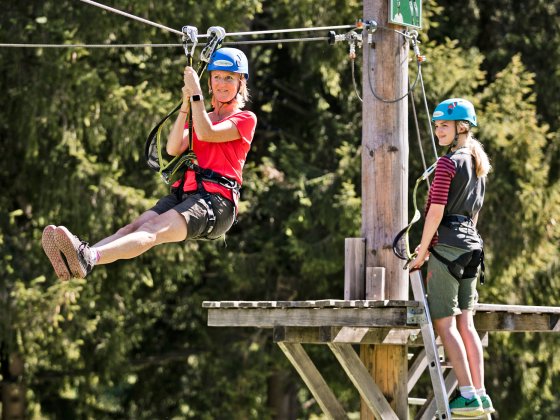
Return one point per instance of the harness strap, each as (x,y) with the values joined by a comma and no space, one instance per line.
(208,204)
(464,267)
(206,174)
(209,175)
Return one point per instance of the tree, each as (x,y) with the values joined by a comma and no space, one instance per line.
(132,340)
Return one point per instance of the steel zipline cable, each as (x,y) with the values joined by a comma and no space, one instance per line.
(177,45)
(175,31)
(358,25)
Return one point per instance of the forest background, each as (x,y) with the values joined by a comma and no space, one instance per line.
(132,341)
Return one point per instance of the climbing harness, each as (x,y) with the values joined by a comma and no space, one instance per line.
(401,244)
(466,266)
(206,174)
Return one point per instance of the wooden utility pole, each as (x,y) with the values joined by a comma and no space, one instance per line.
(384,192)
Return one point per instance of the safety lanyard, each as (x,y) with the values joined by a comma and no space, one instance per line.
(174,170)
(401,243)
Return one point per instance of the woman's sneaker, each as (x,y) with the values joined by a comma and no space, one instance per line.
(53,253)
(78,253)
(487,404)
(466,408)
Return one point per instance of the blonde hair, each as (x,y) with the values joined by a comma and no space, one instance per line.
(242,95)
(481,161)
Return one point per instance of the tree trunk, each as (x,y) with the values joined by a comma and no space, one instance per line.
(282,396)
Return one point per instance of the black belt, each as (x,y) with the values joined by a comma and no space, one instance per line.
(456,218)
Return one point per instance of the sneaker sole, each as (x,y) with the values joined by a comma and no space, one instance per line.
(65,244)
(53,253)
(457,413)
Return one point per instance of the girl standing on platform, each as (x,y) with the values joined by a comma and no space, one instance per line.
(451,238)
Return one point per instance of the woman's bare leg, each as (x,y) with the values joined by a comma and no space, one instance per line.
(454,348)
(167,227)
(473,347)
(131,227)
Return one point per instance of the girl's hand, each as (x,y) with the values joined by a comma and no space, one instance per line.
(420,259)
(191,84)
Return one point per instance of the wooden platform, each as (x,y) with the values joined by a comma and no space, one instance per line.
(340,324)
(371,314)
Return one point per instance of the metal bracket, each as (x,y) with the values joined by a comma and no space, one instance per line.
(371,26)
(190,35)
(413,36)
(351,37)
(416,316)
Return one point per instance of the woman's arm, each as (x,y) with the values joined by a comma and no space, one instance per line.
(205,130)
(177,141)
(433,219)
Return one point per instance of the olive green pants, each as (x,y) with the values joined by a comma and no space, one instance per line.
(448,296)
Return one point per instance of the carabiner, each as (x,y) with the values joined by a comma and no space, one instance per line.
(217,35)
(190,35)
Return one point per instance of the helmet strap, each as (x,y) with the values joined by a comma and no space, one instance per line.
(455,141)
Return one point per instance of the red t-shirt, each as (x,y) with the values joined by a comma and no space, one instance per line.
(226,158)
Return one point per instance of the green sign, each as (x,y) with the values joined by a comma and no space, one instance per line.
(406,13)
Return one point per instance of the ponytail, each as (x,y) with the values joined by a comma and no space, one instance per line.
(481,161)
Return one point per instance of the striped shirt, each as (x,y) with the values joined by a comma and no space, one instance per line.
(439,190)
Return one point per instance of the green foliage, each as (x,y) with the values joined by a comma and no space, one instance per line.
(132,341)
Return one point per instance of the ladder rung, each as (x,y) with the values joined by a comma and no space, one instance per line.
(445,364)
(416,401)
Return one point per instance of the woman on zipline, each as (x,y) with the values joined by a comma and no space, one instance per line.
(202,204)
(451,239)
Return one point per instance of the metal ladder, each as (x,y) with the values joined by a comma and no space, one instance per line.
(436,372)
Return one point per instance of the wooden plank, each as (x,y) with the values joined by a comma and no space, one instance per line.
(372,303)
(279,313)
(375,335)
(375,283)
(323,303)
(515,322)
(359,375)
(354,268)
(300,317)
(351,335)
(417,368)
(314,381)
(518,309)
(309,335)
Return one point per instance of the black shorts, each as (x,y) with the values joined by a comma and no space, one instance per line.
(193,208)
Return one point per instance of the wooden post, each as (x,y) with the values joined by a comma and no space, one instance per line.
(375,283)
(354,268)
(384,188)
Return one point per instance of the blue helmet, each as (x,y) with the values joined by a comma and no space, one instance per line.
(455,109)
(229,59)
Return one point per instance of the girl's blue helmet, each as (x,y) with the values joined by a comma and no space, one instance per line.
(455,109)
(229,59)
